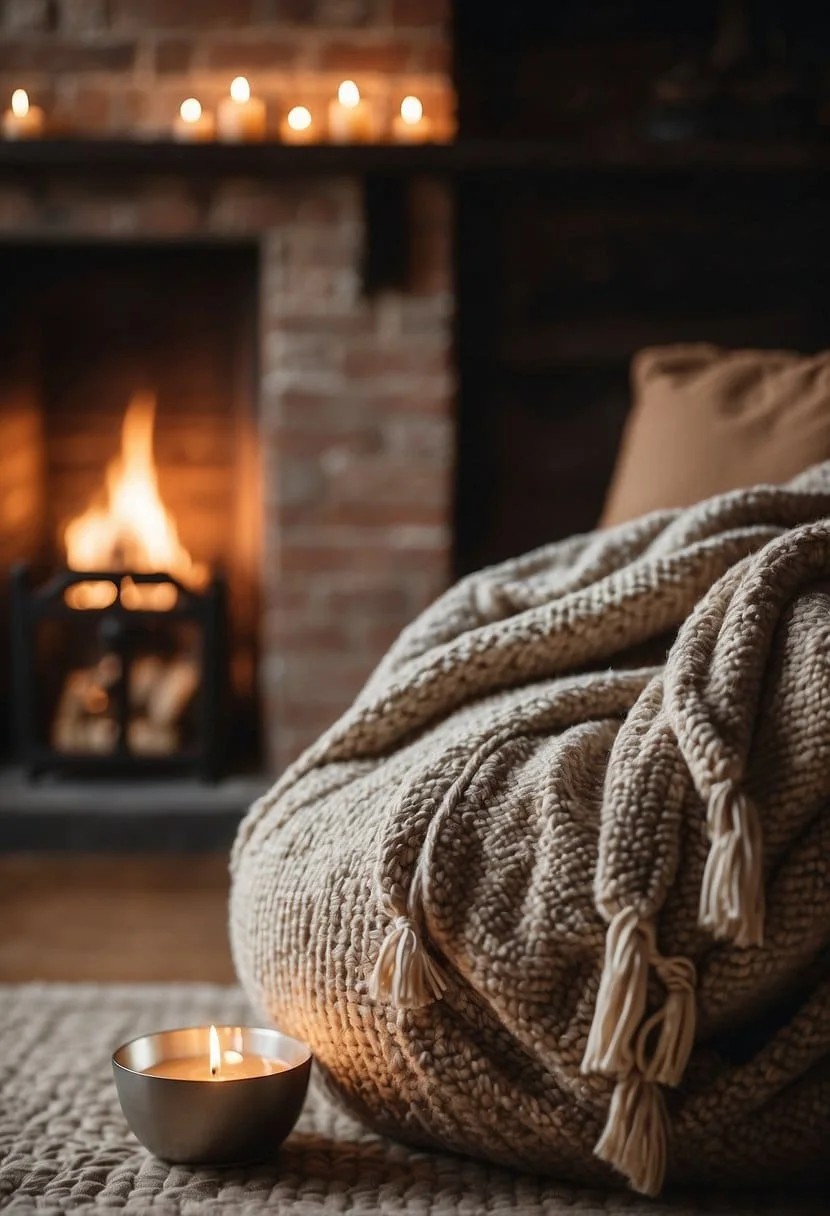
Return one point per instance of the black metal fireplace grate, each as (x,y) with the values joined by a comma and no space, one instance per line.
(133,684)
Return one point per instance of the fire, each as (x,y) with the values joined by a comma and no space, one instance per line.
(215,1052)
(133,530)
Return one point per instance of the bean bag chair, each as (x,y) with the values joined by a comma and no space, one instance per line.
(554,891)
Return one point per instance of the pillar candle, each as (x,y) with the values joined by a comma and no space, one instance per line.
(297,127)
(351,120)
(22,120)
(410,126)
(240,117)
(193,124)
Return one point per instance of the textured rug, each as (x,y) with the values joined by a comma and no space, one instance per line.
(64,1145)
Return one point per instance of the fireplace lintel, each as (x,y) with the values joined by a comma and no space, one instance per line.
(388,176)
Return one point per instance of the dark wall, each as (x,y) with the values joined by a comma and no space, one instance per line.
(652,223)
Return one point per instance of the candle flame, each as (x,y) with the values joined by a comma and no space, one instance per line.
(191,109)
(348,94)
(20,103)
(299,118)
(133,531)
(215,1052)
(240,89)
(412,110)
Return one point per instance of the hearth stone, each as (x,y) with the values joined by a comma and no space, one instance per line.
(177,815)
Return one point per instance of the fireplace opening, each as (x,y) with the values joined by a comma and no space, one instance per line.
(129,471)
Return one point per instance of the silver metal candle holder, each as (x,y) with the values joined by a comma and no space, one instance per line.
(227,1122)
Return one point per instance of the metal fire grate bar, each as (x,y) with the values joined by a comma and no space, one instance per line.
(39,600)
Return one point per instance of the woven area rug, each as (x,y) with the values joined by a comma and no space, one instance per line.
(64,1145)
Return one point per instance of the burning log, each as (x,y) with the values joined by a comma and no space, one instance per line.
(173,693)
(146,738)
(145,674)
(76,736)
(159,695)
(80,722)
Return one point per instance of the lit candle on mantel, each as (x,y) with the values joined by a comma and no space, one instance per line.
(410,126)
(193,124)
(218,1065)
(350,116)
(22,120)
(297,127)
(240,117)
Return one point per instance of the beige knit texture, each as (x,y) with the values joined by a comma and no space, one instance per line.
(554,891)
(65,1146)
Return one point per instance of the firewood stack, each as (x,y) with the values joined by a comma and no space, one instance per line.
(160,693)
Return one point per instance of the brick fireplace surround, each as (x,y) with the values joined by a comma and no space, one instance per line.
(355,394)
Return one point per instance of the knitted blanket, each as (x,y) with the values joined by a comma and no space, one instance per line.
(554,891)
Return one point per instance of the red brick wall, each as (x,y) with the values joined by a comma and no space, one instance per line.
(355,419)
(358,450)
(124,66)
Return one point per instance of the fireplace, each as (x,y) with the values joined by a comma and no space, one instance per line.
(290,309)
(129,410)
(303,440)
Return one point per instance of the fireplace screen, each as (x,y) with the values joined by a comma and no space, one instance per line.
(118,671)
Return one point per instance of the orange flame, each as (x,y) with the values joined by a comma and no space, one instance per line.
(133,531)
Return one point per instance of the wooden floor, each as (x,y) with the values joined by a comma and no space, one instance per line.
(114,918)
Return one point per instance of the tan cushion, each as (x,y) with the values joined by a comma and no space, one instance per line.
(706,420)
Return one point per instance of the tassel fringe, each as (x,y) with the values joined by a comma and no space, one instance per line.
(640,1053)
(732,891)
(404,974)
(674,1024)
(634,1139)
(621,1000)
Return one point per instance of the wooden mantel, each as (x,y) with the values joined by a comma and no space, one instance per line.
(90,157)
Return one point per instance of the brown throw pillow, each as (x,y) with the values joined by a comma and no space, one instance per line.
(707,420)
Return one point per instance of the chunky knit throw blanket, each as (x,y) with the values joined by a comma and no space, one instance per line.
(555,890)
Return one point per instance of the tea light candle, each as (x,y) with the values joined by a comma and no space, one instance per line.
(193,124)
(298,127)
(410,126)
(350,116)
(22,120)
(240,116)
(212,1096)
(218,1065)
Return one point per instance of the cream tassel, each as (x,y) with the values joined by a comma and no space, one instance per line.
(404,974)
(674,1022)
(732,891)
(620,1044)
(634,1139)
(621,1000)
